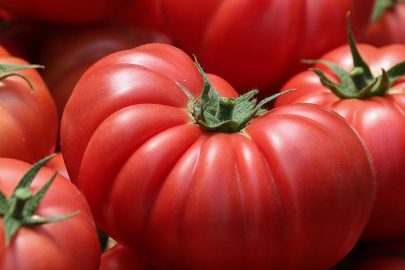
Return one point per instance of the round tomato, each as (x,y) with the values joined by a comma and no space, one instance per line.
(260,43)
(376,109)
(123,258)
(389,26)
(208,183)
(69,51)
(65,11)
(28,122)
(68,238)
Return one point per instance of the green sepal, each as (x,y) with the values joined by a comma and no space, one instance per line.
(359,82)
(19,209)
(29,176)
(380,6)
(3,203)
(10,68)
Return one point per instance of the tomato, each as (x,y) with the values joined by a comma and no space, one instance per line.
(70,242)
(378,116)
(122,258)
(389,26)
(259,44)
(29,123)
(65,11)
(70,51)
(226,194)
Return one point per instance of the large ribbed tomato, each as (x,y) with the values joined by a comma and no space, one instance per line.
(375,105)
(207,183)
(260,43)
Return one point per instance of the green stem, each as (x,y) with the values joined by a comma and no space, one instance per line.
(225,109)
(22,196)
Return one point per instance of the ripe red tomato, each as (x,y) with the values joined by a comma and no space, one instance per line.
(389,27)
(379,119)
(260,44)
(123,258)
(266,196)
(70,243)
(65,11)
(69,51)
(28,122)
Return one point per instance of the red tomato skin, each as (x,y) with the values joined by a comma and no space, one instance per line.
(245,42)
(65,11)
(123,258)
(70,50)
(58,164)
(388,29)
(380,122)
(68,244)
(28,120)
(201,200)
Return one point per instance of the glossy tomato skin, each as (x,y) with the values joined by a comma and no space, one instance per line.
(123,258)
(185,198)
(381,123)
(68,244)
(387,29)
(28,121)
(70,50)
(65,11)
(260,44)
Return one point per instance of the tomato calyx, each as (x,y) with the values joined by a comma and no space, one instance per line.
(10,68)
(18,210)
(230,115)
(359,82)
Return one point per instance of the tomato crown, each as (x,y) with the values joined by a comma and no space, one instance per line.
(216,113)
(359,82)
(18,210)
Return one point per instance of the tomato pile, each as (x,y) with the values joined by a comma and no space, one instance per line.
(202,135)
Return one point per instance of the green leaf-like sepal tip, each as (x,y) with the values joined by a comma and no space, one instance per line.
(10,68)
(215,113)
(359,82)
(19,209)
